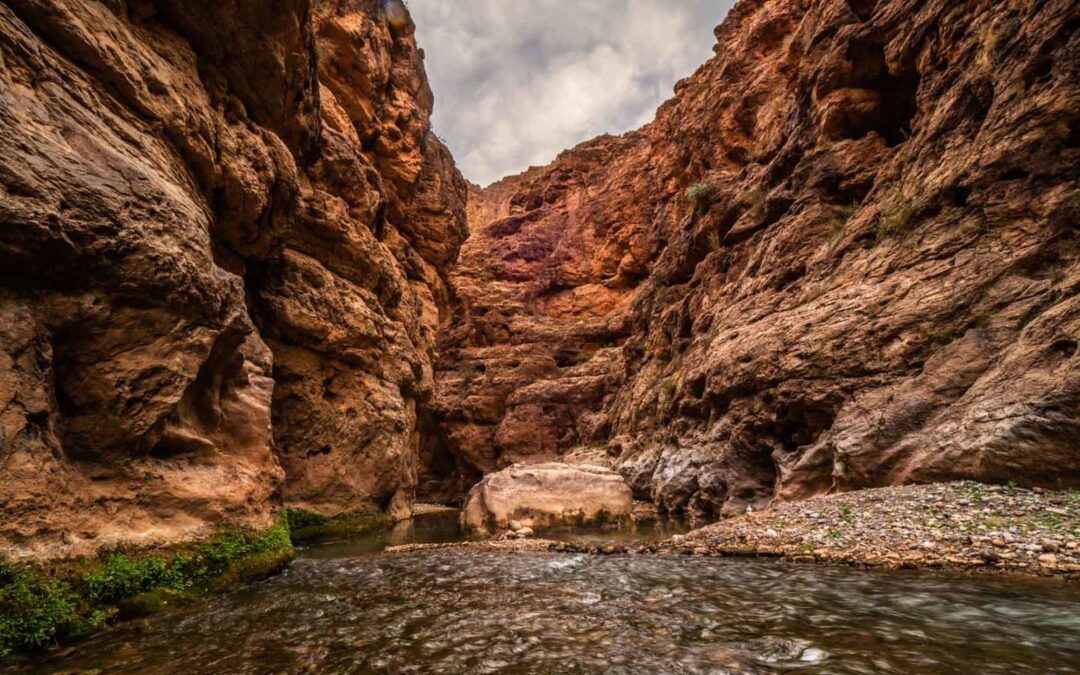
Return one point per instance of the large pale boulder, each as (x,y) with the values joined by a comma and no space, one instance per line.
(546,495)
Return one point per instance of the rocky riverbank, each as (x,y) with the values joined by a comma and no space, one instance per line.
(958,526)
(964,525)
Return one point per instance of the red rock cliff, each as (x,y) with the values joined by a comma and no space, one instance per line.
(225,234)
(844,255)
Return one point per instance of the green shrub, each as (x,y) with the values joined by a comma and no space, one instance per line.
(121,577)
(38,608)
(700,194)
(34,610)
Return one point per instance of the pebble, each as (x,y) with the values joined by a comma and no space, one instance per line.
(960,524)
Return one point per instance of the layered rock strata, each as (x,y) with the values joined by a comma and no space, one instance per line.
(844,255)
(225,233)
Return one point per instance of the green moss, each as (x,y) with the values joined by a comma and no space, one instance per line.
(69,600)
(308,527)
(667,387)
(897,218)
(581,357)
(153,601)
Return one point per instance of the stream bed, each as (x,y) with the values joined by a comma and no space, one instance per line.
(346,608)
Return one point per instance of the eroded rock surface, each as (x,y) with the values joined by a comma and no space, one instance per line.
(545,495)
(843,256)
(225,233)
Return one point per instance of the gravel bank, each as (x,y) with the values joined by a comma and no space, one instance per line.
(963,525)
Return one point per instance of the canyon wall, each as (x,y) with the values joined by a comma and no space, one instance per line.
(224,234)
(844,255)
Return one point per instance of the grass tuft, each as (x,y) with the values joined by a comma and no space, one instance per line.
(700,195)
(897,218)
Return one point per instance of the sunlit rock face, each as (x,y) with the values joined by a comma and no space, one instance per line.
(226,234)
(874,282)
(552,494)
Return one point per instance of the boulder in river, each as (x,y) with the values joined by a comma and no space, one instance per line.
(546,495)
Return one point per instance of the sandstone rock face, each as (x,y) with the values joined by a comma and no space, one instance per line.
(546,495)
(874,279)
(225,234)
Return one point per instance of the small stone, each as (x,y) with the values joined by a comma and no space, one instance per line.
(525,532)
(1051,546)
(771,533)
(999,542)
(1048,559)
(515,525)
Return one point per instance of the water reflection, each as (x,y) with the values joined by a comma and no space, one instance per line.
(438,528)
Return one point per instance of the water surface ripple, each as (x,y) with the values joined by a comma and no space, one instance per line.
(455,611)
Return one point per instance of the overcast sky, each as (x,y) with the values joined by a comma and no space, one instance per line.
(518,81)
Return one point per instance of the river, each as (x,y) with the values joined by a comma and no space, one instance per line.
(347,608)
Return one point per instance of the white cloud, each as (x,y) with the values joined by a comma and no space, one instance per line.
(518,81)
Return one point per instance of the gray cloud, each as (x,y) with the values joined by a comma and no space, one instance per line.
(518,81)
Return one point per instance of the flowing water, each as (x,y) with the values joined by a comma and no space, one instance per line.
(346,608)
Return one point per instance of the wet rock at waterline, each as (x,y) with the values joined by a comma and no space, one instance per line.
(532,497)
